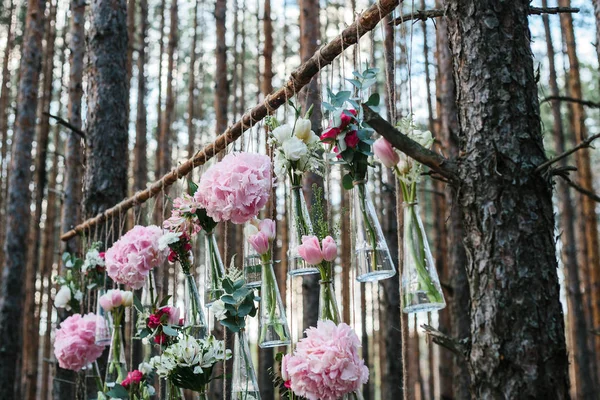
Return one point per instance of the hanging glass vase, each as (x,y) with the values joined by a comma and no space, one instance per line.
(214,270)
(103,321)
(421,289)
(148,297)
(328,308)
(195,321)
(244,384)
(300,225)
(274,330)
(116,366)
(252,263)
(173,392)
(371,254)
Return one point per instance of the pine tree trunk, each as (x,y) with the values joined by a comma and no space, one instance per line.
(4,100)
(168,114)
(140,174)
(30,320)
(507,207)
(192,86)
(221,84)
(583,381)
(130,48)
(18,213)
(597,15)
(589,257)
(159,112)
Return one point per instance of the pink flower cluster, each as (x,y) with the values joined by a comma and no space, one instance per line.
(131,258)
(115,298)
(326,364)
(133,377)
(75,342)
(264,235)
(183,216)
(236,188)
(310,250)
(163,316)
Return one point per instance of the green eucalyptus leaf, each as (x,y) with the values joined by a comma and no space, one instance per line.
(374,100)
(228,299)
(356,83)
(192,187)
(168,330)
(118,392)
(228,285)
(347,182)
(137,303)
(165,301)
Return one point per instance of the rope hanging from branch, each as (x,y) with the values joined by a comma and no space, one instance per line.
(298,79)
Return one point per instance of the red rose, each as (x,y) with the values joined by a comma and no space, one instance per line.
(153,321)
(160,338)
(337,151)
(126,382)
(330,135)
(172,256)
(351,139)
(135,376)
(346,119)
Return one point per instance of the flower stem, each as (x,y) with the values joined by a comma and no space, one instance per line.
(368,225)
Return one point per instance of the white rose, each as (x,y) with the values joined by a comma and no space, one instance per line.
(218,309)
(282,133)
(127,298)
(294,148)
(62,298)
(302,130)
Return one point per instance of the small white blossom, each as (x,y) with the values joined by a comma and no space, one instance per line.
(168,238)
(145,368)
(280,164)
(218,309)
(78,295)
(62,298)
(92,260)
(294,149)
(282,133)
(302,130)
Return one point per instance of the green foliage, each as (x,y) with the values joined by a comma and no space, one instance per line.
(239,303)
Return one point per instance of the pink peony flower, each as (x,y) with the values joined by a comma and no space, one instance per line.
(75,342)
(259,242)
(329,249)
(326,364)
(385,152)
(131,257)
(310,250)
(268,227)
(351,139)
(330,135)
(236,188)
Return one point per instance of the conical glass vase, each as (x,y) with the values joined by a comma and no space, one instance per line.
(421,289)
(116,366)
(274,330)
(244,384)
(149,293)
(328,308)
(300,225)
(172,392)
(252,264)
(103,321)
(195,322)
(371,254)
(214,270)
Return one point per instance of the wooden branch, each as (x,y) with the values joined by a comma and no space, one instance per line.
(433,160)
(458,347)
(586,192)
(584,144)
(423,15)
(297,80)
(571,100)
(66,124)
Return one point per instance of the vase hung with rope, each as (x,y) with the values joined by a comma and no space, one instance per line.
(195,320)
(214,271)
(274,330)
(103,322)
(244,384)
(116,367)
(300,225)
(371,254)
(252,264)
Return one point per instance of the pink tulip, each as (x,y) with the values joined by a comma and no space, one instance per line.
(310,250)
(268,227)
(106,302)
(385,152)
(260,242)
(329,249)
(116,298)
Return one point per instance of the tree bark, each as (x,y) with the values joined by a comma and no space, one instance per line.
(18,213)
(192,86)
(30,319)
(589,256)
(130,49)
(583,382)
(221,83)
(517,344)
(159,111)
(140,174)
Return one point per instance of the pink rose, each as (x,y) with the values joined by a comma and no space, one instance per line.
(351,139)
(329,249)
(346,119)
(135,376)
(386,153)
(268,227)
(259,242)
(153,321)
(310,250)
(330,135)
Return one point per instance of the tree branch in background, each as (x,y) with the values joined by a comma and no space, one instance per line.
(585,144)
(66,124)
(436,162)
(580,189)
(422,15)
(456,346)
(572,100)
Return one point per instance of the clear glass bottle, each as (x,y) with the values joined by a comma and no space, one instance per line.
(274,330)
(421,289)
(195,320)
(252,264)
(244,384)
(214,270)
(299,225)
(148,297)
(103,321)
(116,366)
(328,308)
(173,392)
(371,254)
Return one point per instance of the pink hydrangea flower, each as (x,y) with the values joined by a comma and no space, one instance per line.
(75,342)
(326,364)
(131,258)
(236,188)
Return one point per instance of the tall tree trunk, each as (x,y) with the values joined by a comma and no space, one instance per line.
(458,298)
(583,383)
(30,320)
(140,174)
(4,100)
(167,118)
(159,111)
(221,84)
(590,256)
(511,263)
(192,86)
(18,213)
(597,15)
(267,81)
(130,49)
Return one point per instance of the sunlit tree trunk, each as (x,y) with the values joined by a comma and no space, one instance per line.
(159,110)
(140,174)
(18,202)
(192,86)
(511,266)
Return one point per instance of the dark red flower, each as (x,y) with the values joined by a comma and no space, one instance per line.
(346,119)
(330,135)
(161,338)
(337,151)
(135,376)
(351,139)
(172,256)
(153,321)
(288,384)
